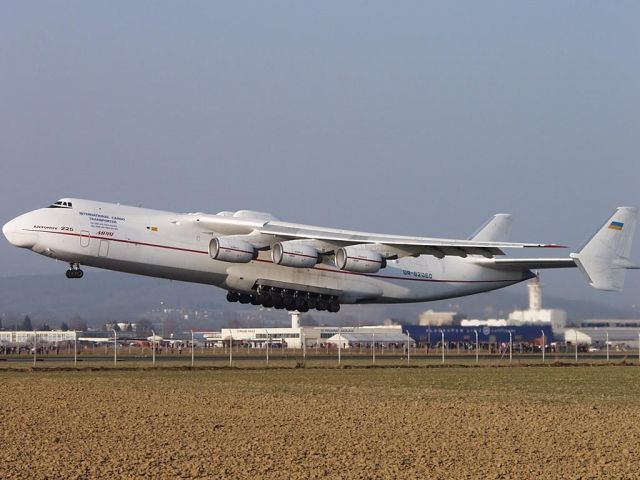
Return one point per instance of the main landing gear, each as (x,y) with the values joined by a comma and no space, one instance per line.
(278,298)
(74,271)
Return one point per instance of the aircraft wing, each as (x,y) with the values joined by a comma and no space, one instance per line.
(265,232)
(438,247)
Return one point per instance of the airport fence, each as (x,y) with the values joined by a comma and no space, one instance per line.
(244,355)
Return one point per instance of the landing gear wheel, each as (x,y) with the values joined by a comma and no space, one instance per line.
(74,271)
(300,303)
(278,303)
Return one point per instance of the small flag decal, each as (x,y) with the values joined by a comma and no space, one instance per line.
(616,225)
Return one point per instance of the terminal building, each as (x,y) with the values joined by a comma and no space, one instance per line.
(27,337)
(297,335)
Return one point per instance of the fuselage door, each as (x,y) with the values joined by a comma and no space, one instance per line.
(85,237)
(103,251)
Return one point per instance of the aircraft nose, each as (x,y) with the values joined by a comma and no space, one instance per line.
(8,228)
(18,237)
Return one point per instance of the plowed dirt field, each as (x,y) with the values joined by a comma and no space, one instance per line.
(535,422)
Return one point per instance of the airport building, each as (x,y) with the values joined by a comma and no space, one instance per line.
(619,337)
(592,332)
(534,315)
(43,336)
(294,337)
(297,335)
(432,317)
(362,338)
(486,334)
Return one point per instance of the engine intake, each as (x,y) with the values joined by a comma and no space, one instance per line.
(290,254)
(355,259)
(227,249)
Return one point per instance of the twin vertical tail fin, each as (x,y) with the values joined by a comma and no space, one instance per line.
(606,256)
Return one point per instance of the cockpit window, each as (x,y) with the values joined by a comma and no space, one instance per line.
(61,204)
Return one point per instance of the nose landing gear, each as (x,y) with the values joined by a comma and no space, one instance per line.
(74,271)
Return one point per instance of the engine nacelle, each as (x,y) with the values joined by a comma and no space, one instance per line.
(358,259)
(228,249)
(290,254)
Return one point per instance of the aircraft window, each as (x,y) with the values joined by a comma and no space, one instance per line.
(60,204)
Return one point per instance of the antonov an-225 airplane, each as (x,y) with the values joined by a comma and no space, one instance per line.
(261,260)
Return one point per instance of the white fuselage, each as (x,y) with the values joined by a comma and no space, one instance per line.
(171,245)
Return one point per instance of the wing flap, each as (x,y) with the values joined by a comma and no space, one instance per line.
(522,264)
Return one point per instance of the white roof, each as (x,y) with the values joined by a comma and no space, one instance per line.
(380,337)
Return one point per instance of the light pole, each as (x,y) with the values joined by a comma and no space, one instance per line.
(230,348)
(442,333)
(115,346)
(35,346)
(75,349)
(339,344)
(477,346)
(638,345)
(544,345)
(607,333)
(268,342)
(192,349)
(576,344)
(304,347)
(510,346)
(373,348)
(408,348)
(153,347)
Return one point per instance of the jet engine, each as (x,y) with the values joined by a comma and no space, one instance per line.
(290,254)
(229,249)
(359,259)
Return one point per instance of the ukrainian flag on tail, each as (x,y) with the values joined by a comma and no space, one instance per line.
(616,225)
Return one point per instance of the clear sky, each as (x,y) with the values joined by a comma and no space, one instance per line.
(401,117)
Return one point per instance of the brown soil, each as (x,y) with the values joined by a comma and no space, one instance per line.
(451,423)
